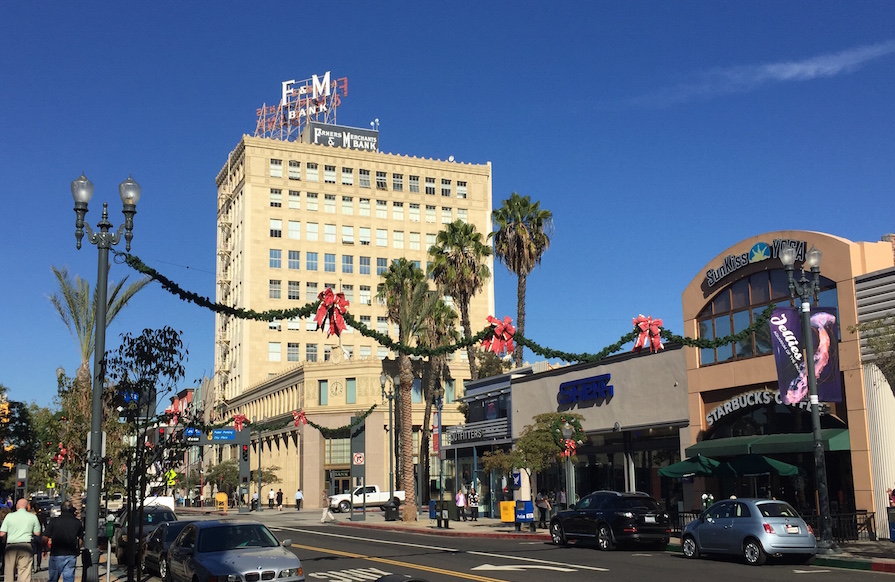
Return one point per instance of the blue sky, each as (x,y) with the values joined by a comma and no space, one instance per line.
(658,133)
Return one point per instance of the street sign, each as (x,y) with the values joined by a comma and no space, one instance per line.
(358,459)
(223,435)
(192,434)
(517,479)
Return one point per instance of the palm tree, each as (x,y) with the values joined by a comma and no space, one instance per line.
(522,236)
(440,329)
(77,308)
(408,301)
(458,265)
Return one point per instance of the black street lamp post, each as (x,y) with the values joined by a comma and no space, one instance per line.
(383,378)
(804,289)
(82,191)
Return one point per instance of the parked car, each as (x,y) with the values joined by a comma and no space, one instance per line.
(45,509)
(153,515)
(752,528)
(370,495)
(231,550)
(612,518)
(156,544)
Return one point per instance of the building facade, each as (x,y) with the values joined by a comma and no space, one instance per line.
(294,219)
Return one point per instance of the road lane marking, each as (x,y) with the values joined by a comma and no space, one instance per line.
(537,561)
(810,571)
(352,575)
(399,563)
(522,567)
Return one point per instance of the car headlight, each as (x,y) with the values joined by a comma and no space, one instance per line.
(290,572)
(234,578)
(627,514)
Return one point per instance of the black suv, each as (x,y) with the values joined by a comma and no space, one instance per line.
(612,518)
(153,515)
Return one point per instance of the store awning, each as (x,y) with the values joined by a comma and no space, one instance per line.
(834,439)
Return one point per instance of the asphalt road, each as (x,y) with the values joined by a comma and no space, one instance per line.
(338,554)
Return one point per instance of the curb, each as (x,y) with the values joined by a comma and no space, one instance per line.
(447,532)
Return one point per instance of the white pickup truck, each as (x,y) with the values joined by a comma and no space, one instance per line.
(369,495)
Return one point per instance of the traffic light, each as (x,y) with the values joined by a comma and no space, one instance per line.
(20,484)
(245,452)
(161,435)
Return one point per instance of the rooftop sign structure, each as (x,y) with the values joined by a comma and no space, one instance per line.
(315,99)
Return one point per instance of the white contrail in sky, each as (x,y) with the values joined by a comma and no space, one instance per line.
(725,81)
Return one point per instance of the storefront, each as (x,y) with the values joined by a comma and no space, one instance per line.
(735,404)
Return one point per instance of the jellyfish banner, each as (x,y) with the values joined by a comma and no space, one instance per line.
(789,355)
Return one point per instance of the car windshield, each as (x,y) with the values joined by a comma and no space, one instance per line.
(640,503)
(155,517)
(232,537)
(777,509)
(174,529)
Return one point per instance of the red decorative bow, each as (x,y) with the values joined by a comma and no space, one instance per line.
(570,448)
(502,337)
(649,330)
(299,417)
(239,420)
(332,306)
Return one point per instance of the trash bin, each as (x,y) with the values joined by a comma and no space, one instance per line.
(890,514)
(433,512)
(391,509)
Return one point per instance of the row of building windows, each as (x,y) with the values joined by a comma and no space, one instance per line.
(312,203)
(312,261)
(346,177)
(331,234)
(312,354)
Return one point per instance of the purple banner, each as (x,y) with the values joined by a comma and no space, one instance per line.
(786,337)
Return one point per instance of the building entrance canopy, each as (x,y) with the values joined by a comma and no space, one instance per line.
(834,439)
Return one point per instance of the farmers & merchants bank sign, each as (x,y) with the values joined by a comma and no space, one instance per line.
(760,251)
(339,136)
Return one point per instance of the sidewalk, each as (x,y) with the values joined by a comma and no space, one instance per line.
(878,556)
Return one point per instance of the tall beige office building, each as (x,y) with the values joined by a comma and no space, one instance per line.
(295,218)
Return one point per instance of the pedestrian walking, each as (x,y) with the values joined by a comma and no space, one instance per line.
(543,505)
(280,500)
(64,536)
(270,498)
(299,496)
(473,500)
(37,543)
(327,513)
(18,528)
(460,501)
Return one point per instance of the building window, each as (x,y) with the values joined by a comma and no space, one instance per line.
(327,353)
(294,170)
(365,296)
(294,200)
(445,187)
(461,215)
(445,215)
(381,237)
(414,183)
(365,352)
(276,168)
(350,391)
(363,178)
(294,231)
(348,290)
(381,266)
(347,235)
(398,239)
(276,258)
(430,213)
(329,203)
(416,391)
(365,265)
(365,321)
(329,233)
(311,356)
(292,353)
(273,351)
(449,393)
(311,292)
(311,201)
(273,325)
(347,205)
(430,240)
(381,209)
(347,263)
(322,385)
(274,289)
(381,181)
(382,353)
(347,176)
(311,264)
(329,174)
(311,231)
(312,172)
(414,241)
(276,228)
(397,211)
(414,213)
(293,324)
(293,291)
(430,186)
(398,182)
(329,262)
(382,325)
(276,198)
(294,260)
(461,189)
(364,207)
(364,236)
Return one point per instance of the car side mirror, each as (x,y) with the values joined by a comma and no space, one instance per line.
(286,543)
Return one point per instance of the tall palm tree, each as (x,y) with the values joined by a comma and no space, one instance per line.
(408,301)
(440,329)
(521,237)
(459,266)
(76,306)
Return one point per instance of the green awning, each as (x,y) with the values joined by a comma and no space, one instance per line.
(834,439)
(729,447)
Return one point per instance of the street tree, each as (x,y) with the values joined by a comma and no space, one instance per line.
(880,337)
(459,265)
(521,237)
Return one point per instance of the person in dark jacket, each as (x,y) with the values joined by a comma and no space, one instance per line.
(64,535)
